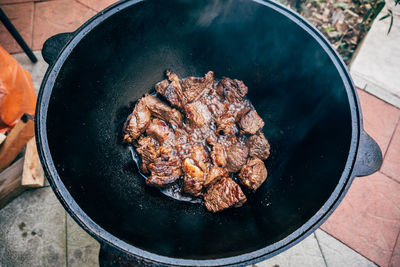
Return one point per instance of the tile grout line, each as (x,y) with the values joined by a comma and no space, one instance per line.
(391,139)
(17,3)
(394,247)
(374,96)
(387,149)
(320,249)
(66,238)
(24,2)
(79,2)
(389,177)
(33,21)
(340,241)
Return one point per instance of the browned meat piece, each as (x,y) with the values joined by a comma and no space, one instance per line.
(212,137)
(241,112)
(165,170)
(148,149)
(226,125)
(166,152)
(253,174)
(199,155)
(194,87)
(215,103)
(171,89)
(198,114)
(159,130)
(214,174)
(258,146)
(232,90)
(174,79)
(181,142)
(251,122)
(236,157)
(224,194)
(218,155)
(136,122)
(161,110)
(181,137)
(218,134)
(165,89)
(194,178)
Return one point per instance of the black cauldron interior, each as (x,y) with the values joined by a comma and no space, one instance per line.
(293,85)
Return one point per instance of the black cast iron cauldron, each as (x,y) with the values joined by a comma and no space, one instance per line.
(297,83)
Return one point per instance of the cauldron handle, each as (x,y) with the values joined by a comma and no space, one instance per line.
(53,46)
(369,156)
(111,256)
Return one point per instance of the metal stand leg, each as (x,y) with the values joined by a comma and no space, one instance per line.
(7,23)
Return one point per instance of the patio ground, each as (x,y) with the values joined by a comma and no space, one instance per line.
(364,231)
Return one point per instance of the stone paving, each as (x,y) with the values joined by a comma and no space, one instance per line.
(364,231)
(376,67)
(36,231)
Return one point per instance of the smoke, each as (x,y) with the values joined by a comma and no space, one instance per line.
(213,10)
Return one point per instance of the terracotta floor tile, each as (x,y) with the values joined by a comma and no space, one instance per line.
(10,2)
(21,15)
(395,260)
(380,118)
(2,2)
(368,219)
(57,16)
(97,5)
(391,163)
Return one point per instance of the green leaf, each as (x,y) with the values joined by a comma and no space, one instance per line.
(367,15)
(385,17)
(329,29)
(378,10)
(391,21)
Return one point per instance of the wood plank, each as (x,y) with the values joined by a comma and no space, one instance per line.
(32,175)
(16,140)
(2,138)
(10,182)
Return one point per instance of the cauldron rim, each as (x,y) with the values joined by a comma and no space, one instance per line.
(245,259)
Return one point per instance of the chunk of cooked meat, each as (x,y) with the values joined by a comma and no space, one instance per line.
(171,89)
(236,157)
(232,90)
(200,157)
(226,125)
(136,122)
(241,112)
(258,146)
(159,130)
(174,79)
(181,137)
(165,170)
(165,89)
(218,155)
(166,152)
(198,114)
(148,149)
(193,179)
(224,194)
(194,87)
(251,122)
(217,138)
(214,174)
(253,174)
(215,103)
(161,110)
